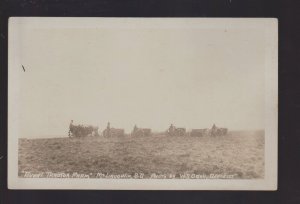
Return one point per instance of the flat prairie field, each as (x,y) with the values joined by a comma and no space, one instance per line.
(239,154)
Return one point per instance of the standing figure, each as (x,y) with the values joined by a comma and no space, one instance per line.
(214,130)
(135,130)
(71,128)
(108,129)
(171,129)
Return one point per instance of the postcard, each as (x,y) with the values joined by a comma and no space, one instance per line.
(142,103)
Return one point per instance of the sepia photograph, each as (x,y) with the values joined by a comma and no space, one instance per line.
(142,103)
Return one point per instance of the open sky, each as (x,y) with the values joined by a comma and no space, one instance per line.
(150,73)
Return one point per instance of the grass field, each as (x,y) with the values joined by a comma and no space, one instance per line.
(240,154)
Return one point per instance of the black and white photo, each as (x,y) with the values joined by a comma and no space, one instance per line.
(142,103)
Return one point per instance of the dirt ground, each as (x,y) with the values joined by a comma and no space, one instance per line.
(240,154)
